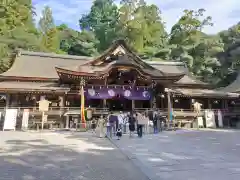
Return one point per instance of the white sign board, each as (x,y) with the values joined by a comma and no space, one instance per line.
(200,121)
(25,119)
(44,105)
(10,119)
(210,119)
(220,119)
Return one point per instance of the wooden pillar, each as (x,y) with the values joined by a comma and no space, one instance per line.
(133,104)
(105,101)
(62,110)
(191,103)
(67,122)
(226,103)
(222,103)
(162,103)
(8,96)
(209,104)
(169,106)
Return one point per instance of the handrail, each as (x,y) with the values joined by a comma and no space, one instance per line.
(36,109)
(32,108)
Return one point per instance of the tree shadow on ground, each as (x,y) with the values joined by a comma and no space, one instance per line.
(39,159)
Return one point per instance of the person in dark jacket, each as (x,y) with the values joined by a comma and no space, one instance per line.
(119,133)
(131,121)
(93,125)
(155,122)
(140,118)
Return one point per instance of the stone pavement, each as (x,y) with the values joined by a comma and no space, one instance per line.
(62,156)
(185,155)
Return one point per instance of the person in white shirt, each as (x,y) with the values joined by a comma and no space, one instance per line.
(121,118)
(141,121)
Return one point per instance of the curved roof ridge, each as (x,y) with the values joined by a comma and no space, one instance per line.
(164,62)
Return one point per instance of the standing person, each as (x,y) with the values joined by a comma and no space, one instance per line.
(108,127)
(125,121)
(140,123)
(120,119)
(101,127)
(155,121)
(110,124)
(131,122)
(119,133)
(93,125)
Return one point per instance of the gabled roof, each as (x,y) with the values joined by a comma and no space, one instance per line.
(32,86)
(203,93)
(41,65)
(119,54)
(120,46)
(177,67)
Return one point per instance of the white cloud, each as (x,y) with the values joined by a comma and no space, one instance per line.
(225,13)
(67,12)
(219,10)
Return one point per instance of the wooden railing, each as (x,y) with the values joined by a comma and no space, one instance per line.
(53,110)
(164,111)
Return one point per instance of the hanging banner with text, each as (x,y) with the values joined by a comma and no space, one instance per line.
(10,119)
(25,119)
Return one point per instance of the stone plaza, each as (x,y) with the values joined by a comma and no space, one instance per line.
(178,155)
(185,154)
(62,156)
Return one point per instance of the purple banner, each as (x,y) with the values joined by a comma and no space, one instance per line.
(109,93)
(136,94)
(103,93)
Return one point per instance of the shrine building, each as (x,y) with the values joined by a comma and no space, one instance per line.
(117,80)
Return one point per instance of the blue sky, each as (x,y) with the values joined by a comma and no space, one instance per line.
(225,13)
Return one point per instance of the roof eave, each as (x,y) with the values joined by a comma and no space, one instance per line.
(34,90)
(21,78)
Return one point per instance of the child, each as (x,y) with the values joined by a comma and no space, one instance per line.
(93,125)
(119,133)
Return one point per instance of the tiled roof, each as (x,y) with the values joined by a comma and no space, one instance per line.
(41,65)
(176,67)
(31,86)
(204,93)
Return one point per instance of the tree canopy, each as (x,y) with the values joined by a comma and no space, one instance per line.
(212,58)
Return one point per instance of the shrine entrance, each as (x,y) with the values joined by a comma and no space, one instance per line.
(119,104)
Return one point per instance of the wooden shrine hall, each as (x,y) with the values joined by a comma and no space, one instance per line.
(117,80)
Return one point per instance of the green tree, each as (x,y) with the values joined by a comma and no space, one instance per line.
(189,44)
(102,20)
(49,32)
(72,42)
(230,58)
(142,26)
(17,29)
(85,44)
